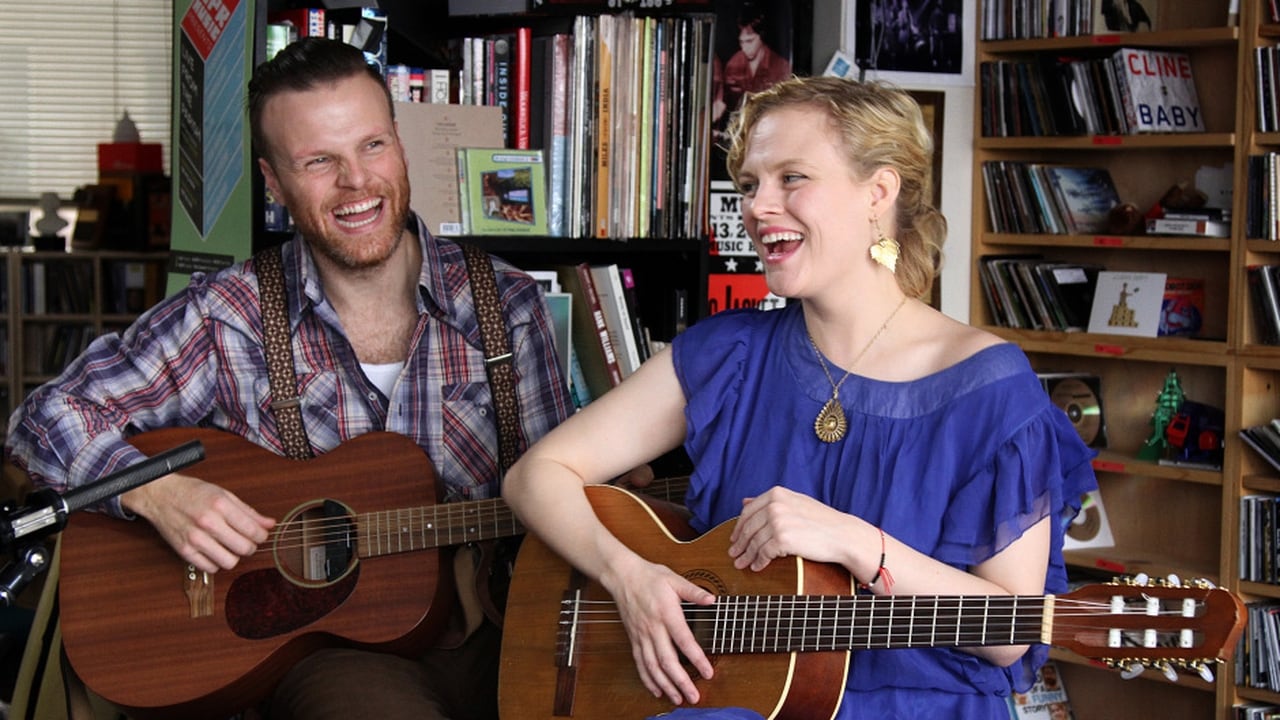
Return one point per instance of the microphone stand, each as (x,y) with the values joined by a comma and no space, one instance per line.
(21,529)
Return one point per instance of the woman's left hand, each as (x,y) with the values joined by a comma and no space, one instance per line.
(782,522)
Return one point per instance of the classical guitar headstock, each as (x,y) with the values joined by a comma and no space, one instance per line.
(1131,624)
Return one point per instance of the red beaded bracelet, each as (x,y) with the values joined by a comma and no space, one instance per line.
(881,571)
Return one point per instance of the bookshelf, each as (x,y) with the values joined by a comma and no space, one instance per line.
(1166,519)
(53,303)
(419,33)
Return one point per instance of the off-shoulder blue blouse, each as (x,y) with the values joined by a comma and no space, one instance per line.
(957,464)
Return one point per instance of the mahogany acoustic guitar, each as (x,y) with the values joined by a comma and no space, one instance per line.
(780,639)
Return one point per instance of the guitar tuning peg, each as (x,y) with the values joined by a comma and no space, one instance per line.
(1167,670)
(1173,580)
(1132,670)
(1141,579)
(1201,668)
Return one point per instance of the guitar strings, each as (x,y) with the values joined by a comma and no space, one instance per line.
(776,622)
(397,529)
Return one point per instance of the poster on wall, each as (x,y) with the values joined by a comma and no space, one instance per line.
(212,209)
(913,42)
(757,43)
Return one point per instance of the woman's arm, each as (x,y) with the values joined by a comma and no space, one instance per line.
(628,426)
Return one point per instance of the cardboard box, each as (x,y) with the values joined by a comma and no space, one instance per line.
(431,135)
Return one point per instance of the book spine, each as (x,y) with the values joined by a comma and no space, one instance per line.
(600,325)
(603,124)
(622,335)
(501,84)
(438,82)
(523,74)
(632,298)
(464,200)
(557,224)
(1119,63)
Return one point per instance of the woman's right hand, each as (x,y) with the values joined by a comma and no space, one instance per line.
(649,598)
(207,525)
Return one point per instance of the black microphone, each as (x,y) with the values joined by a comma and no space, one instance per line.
(46,511)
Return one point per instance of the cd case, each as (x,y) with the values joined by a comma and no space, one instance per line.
(1079,395)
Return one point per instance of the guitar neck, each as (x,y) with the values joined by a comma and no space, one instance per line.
(799,623)
(400,530)
(387,532)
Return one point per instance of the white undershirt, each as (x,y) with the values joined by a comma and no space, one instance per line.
(383,375)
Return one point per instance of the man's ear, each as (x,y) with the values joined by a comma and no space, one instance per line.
(269,177)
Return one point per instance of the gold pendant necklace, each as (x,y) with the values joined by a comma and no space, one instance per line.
(831,425)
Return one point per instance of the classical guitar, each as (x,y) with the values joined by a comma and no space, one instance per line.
(780,639)
(354,560)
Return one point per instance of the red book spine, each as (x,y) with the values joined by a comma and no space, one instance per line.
(524,61)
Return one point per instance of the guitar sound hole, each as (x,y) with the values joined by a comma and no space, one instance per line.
(316,544)
(315,557)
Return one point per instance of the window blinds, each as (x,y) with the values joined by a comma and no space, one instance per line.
(68,70)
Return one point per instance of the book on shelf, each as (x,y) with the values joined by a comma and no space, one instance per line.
(430,134)
(591,341)
(1264,296)
(1199,227)
(1265,440)
(1086,196)
(1127,303)
(1046,699)
(1158,91)
(502,191)
(617,316)
(1182,307)
(560,306)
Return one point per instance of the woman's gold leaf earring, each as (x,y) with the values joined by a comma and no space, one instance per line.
(885,249)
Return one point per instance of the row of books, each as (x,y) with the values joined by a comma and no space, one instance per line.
(1254,710)
(1266,66)
(637,128)
(1028,291)
(1134,90)
(1264,302)
(600,334)
(1048,198)
(48,348)
(364,27)
(1020,19)
(1262,206)
(1259,533)
(58,288)
(1258,657)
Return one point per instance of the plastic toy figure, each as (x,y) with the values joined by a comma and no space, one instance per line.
(1167,404)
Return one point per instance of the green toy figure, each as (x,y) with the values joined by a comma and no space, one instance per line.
(1167,404)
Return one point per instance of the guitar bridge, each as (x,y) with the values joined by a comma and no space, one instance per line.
(199,589)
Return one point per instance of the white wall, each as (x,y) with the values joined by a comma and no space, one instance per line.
(832,30)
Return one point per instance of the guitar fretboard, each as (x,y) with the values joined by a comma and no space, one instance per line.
(420,528)
(796,623)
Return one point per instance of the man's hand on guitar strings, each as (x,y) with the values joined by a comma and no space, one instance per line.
(206,525)
(650,599)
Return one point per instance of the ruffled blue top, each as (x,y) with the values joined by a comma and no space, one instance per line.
(957,464)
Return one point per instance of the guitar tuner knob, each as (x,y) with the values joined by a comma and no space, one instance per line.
(1201,669)
(1130,669)
(1141,579)
(1173,580)
(1167,670)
